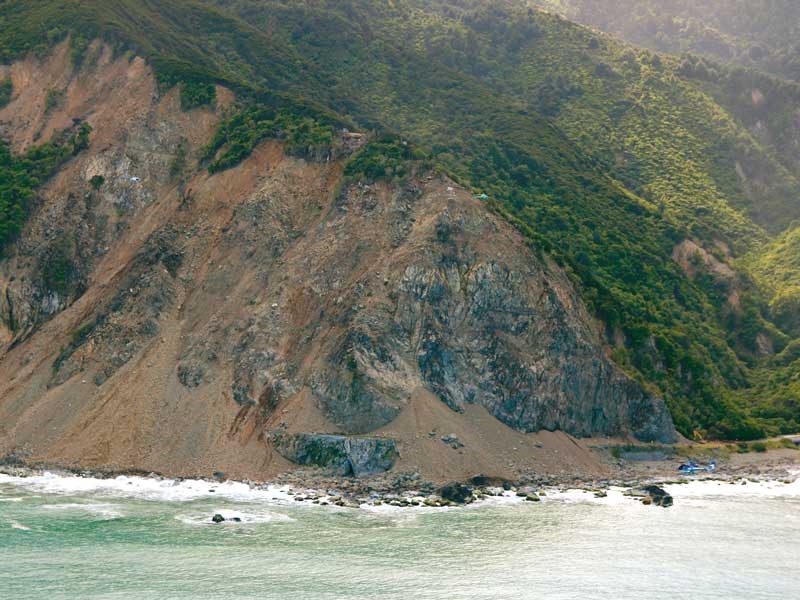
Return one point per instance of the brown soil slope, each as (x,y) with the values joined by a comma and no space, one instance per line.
(207,311)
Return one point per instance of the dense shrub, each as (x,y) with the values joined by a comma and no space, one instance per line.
(196,95)
(237,136)
(20,175)
(6,91)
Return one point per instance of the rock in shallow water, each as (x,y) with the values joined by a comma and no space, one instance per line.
(651,494)
(659,495)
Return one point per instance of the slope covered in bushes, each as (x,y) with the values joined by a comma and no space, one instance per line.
(755,33)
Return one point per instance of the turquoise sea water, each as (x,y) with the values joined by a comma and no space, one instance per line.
(66,537)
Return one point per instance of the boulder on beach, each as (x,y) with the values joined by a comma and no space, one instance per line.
(659,495)
(651,494)
(456,493)
(490,481)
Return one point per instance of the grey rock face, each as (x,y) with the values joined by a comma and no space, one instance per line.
(476,321)
(505,339)
(369,378)
(342,454)
(363,313)
(129,319)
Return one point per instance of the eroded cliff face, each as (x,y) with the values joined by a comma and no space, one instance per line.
(202,313)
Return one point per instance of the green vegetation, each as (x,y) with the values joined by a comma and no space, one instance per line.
(747,447)
(237,136)
(57,269)
(53,100)
(20,175)
(178,164)
(777,268)
(756,33)
(195,95)
(604,156)
(79,141)
(97,182)
(6,91)
(387,157)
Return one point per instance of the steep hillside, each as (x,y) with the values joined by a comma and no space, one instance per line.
(777,266)
(623,166)
(753,33)
(763,105)
(661,133)
(205,314)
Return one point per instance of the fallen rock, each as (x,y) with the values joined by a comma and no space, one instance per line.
(651,494)
(489,481)
(452,441)
(456,493)
(659,495)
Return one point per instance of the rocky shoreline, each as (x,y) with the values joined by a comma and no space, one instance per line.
(410,491)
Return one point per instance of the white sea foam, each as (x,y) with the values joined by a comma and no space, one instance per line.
(19,526)
(246,517)
(147,488)
(170,490)
(758,489)
(694,489)
(104,511)
(613,496)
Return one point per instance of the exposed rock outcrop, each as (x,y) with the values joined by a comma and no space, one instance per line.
(343,455)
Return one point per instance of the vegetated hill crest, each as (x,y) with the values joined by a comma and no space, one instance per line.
(753,33)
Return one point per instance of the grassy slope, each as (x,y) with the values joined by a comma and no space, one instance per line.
(471,87)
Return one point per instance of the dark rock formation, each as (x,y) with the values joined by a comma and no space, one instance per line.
(342,454)
(457,493)
(651,494)
(659,496)
(504,329)
(490,481)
